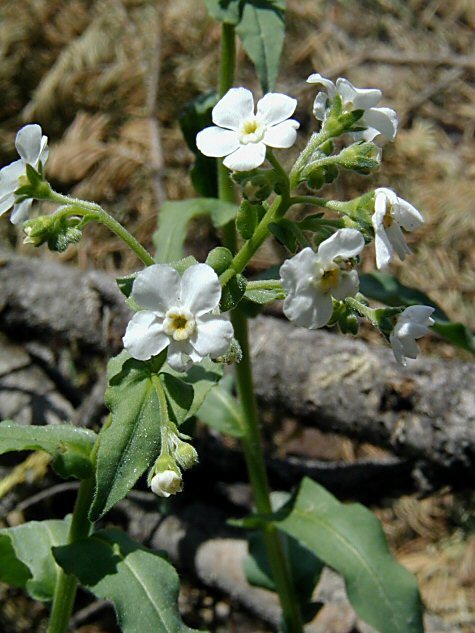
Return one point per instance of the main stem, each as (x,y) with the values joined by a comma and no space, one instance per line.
(66,584)
(251,441)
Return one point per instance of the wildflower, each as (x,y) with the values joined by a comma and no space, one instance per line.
(32,146)
(377,120)
(242,136)
(390,214)
(311,279)
(180,313)
(166,483)
(411,325)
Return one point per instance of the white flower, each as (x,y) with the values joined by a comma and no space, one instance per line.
(377,120)
(411,325)
(32,146)
(311,279)
(179,314)
(166,483)
(241,135)
(390,214)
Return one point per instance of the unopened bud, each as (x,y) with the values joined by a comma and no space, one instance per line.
(233,355)
(185,455)
(166,483)
(256,185)
(360,157)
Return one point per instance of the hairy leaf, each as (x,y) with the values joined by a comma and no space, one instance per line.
(222,411)
(195,117)
(141,584)
(69,446)
(26,558)
(173,220)
(130,443)
(387,289)
(258,293)
(262,30)
(349,538)
(227,11)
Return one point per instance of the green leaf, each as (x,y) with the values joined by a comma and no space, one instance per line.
(232,293)
(387,289)
(130,443)
(221,411)
(247,219)
(26,559)
(258,293)
(262,31)
(349,538)
(68,445)
(227,11)
(142,585)
(173,219)
(289,234)
(195,117)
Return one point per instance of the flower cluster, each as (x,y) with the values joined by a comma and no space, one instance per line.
(376,121)
(32,147)
(180,314)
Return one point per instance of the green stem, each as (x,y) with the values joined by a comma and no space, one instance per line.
(252,447)
(364,311)
(316,140)
(95,212)
(66,584)
(226,80)
(313,200)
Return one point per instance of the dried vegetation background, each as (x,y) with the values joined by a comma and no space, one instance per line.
(107,79)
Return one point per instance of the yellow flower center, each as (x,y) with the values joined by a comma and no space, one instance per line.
(252,131)
(179,324)
(329,279)
(388,218)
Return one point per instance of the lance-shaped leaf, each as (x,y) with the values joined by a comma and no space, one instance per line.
(221,411)
(130,443)
(262,31)
(262,292)
(349,538)
(141,584)
(69,446)
(26,559)
(173,219)
(387,289)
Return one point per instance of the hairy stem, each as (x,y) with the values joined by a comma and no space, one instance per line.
(66,584)
(93,211)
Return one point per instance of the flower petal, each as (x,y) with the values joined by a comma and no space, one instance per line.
(200,289)
(28,143)
(6,202)
(296,273)
(21,211)
(247,157)
(396,237)
(157,288)
(236,105)
(360,98)
(282,135)
(216,142)
(320,106)
(330,87)
(397,349)
(275,107)
(214,335)
(348,286)
(420,314)
(310,309)
(407,216)
(144,336)
(178,356)
(383,249)
(344,243)
(9,176)
(382,119)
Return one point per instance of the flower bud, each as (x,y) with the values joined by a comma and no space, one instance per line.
(57,232)
(166,483)
(256,185)
(185,455)
(233,355)
(37,230)
(360,157)
(219,259)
